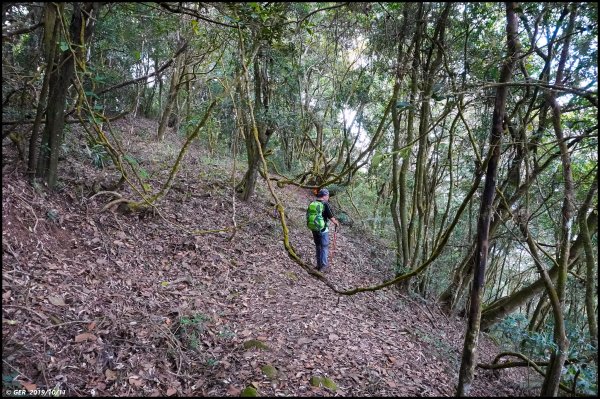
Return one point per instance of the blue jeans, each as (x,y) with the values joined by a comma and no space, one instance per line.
(322,245)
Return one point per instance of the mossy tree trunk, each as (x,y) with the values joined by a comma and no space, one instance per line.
(262,98)
(51,34)
(80,29)
(412,235)
(396,119)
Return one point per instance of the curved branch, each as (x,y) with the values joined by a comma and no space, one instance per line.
(159,70)
(193,13)
(319,10)
(591,96)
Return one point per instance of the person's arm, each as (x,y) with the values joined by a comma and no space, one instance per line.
(331,217)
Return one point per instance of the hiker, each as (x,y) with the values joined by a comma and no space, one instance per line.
(317,215)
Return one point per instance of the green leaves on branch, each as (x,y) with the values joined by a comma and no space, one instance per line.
(134,163)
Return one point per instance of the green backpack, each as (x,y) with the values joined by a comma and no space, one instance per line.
(314,216)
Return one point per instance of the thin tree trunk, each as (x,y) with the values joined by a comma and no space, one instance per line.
(559,355)
(467,367)
(396,119)
(538,312)
(590,277)
(402,189)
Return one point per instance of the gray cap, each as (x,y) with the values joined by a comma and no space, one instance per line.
(322,192)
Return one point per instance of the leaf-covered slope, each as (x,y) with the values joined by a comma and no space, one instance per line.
(105,303)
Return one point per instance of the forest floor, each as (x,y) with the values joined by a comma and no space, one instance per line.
(108,303)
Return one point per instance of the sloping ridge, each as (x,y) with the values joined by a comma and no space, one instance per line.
(106,303)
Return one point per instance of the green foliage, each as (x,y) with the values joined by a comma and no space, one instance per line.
(375,161)
(510,331)
(586,378)
(212,362)
(190,330)
(513,335)
(226,333)
(402,105)
(52,214)
(196,320)
(98,155)
(344,218)
(9,381)
(134,163)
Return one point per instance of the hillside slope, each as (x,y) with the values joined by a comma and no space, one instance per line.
(106,303)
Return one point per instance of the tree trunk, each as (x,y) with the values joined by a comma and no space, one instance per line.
(396,119)
(538,313)
(249,180)
(402,189)
(467,367)
(83,20)
(559,355)
(262,97)
(171,98)
(51,33)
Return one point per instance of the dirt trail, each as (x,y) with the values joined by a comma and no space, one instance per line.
(105,303)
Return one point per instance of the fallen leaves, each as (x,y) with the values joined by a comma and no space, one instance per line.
(29,386)
(110,375)
(57,300)
(136,381)
(85,337)
(124,278)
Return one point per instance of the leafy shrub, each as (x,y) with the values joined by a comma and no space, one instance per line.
(98,155)
(513,335)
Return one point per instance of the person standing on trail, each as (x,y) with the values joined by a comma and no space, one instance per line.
(317,216)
